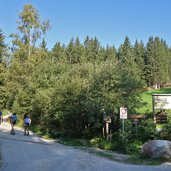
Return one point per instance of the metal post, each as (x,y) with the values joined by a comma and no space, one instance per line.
(107,131)
(123,125)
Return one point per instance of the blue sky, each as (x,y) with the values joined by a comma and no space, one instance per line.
(109,20)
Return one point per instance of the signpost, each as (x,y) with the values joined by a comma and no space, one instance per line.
(123,115)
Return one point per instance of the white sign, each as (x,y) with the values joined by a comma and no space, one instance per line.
(162,101)
(123,113)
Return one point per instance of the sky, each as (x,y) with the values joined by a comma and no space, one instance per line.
(109,20)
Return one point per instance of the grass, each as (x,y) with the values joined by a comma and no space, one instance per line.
(131,159)
(74,142)
(142,160)
(36,128)
(106,155)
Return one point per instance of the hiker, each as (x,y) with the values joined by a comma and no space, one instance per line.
(13,119)
(27,122)
(1,118)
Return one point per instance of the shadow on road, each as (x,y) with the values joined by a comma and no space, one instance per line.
(19,135)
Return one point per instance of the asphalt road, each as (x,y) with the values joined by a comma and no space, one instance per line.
(32,153)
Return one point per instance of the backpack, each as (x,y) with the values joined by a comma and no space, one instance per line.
(13,119)
(27,121)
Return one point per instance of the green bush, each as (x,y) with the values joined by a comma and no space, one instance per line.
(134,147)
(121,141)
(106,145)
(166,130)
(146,130)
(101,143)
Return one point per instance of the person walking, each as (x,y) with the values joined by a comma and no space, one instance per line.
(13,120)
(1,118)
(27,122)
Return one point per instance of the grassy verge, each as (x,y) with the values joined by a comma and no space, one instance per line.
(129,159)
(36,128)
(142,160)
(137,159)
(74,142)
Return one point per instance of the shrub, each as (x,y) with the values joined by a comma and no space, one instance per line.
(146,130)
(166,130)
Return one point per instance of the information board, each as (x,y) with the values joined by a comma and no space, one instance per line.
(162,101)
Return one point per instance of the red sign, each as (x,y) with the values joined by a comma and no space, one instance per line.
(123,113)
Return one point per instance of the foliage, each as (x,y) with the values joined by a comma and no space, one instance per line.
(65,89)
(147,130)
(166,130)
(156,62)
(30,28)
(3,67)
(102,143)
(147,99)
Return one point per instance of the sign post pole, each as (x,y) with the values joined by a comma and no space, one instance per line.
(123,126)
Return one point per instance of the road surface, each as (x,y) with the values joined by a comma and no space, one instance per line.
(32,153)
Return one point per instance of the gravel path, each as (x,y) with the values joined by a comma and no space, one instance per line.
(32,153)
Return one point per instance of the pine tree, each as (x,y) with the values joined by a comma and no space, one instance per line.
(78,52)
(110,53)
(156,68)
(139,52)
(162,58)
(92,47)
(70,52)
(126,52)
(74,51)
(149,61)
(127,59)
(58,52)
(43,45)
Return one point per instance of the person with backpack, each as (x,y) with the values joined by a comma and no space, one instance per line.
(13,120)
(1,118)
(27,122)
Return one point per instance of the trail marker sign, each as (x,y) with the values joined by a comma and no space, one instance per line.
(123,113)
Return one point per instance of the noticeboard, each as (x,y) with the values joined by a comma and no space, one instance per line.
(162,101)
